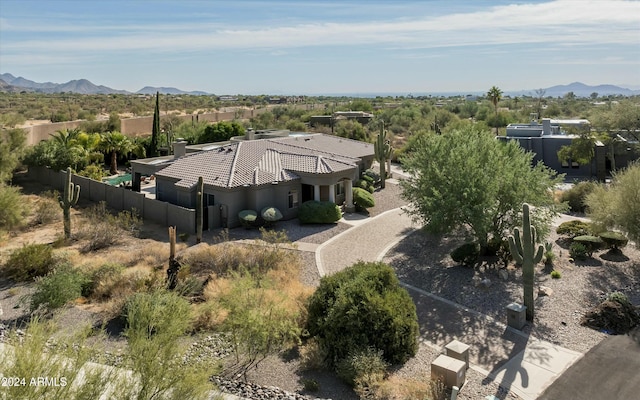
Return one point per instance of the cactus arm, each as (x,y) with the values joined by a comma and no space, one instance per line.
(514,248)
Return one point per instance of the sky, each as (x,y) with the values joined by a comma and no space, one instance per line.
(323,46)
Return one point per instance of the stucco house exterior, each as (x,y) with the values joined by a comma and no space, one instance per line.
(547,138)
(253,173)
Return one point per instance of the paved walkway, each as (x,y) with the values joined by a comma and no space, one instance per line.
(521,363)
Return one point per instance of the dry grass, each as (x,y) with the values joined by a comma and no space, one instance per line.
(397,388)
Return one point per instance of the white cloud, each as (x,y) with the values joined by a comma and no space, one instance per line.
(556,22)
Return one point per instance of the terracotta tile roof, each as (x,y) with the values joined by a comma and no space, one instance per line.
(263,161)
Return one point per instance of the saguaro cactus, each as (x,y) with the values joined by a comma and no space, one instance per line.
(524,251)
(174,265)
(199,209)
(382,149)
(68,199)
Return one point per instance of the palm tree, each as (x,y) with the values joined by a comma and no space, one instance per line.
(114,143)
(66,137)
(495,95)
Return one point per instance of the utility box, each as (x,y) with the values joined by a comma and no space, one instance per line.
(516,315)
(459,351)
(451,371)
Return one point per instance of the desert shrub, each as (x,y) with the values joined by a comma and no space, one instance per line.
(103,229)
(101,281)
(310,385)
(262,315)
(42,352)
(614,315)
(312,355)
(30,261)
(574,228)
(620,298)
(156,322)
(248,218)
(47,209)
(271,215)
(549,255)
(591,243)
(578,251)
(93,171)
(183,236)
(362,367)
(613,240)
(466,254)
(58,288)
(363,199)
(577,195)
(556,274)
(157,312)
(319,212)
(360,307)
(12,207)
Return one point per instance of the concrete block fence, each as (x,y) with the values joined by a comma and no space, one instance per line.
(119,198)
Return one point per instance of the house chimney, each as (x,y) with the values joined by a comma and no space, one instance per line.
(250,134)
(179,148)
(546,126)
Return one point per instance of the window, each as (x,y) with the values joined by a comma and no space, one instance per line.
(340,188)
(209,199)
(293,199)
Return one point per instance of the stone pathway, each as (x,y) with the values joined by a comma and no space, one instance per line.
(516,361)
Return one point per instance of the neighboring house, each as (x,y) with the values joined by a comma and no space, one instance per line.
(329,120)
(547,138)
(282,172)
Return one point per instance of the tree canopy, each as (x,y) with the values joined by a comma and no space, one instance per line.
(468,178)
(617,206)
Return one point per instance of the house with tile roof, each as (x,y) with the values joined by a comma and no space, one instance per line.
(253,173)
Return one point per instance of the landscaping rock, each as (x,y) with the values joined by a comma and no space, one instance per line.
(503,274)
(251,391)
(544,291)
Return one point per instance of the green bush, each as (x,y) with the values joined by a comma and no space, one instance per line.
(372,174)
(574,228)
(12,207)
(556,274)
(362,367)
(363,307)
(620,297)
(319,212)
(156,313)
(363,199)
(101,278)
(466,254)
(577,195)
(591,243)
(578,251)
(30,261)
(248,218)
(58,288)
(613,240)
(368,179)
(364,184)
(47,209)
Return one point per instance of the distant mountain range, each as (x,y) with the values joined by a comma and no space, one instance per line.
(9,83)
